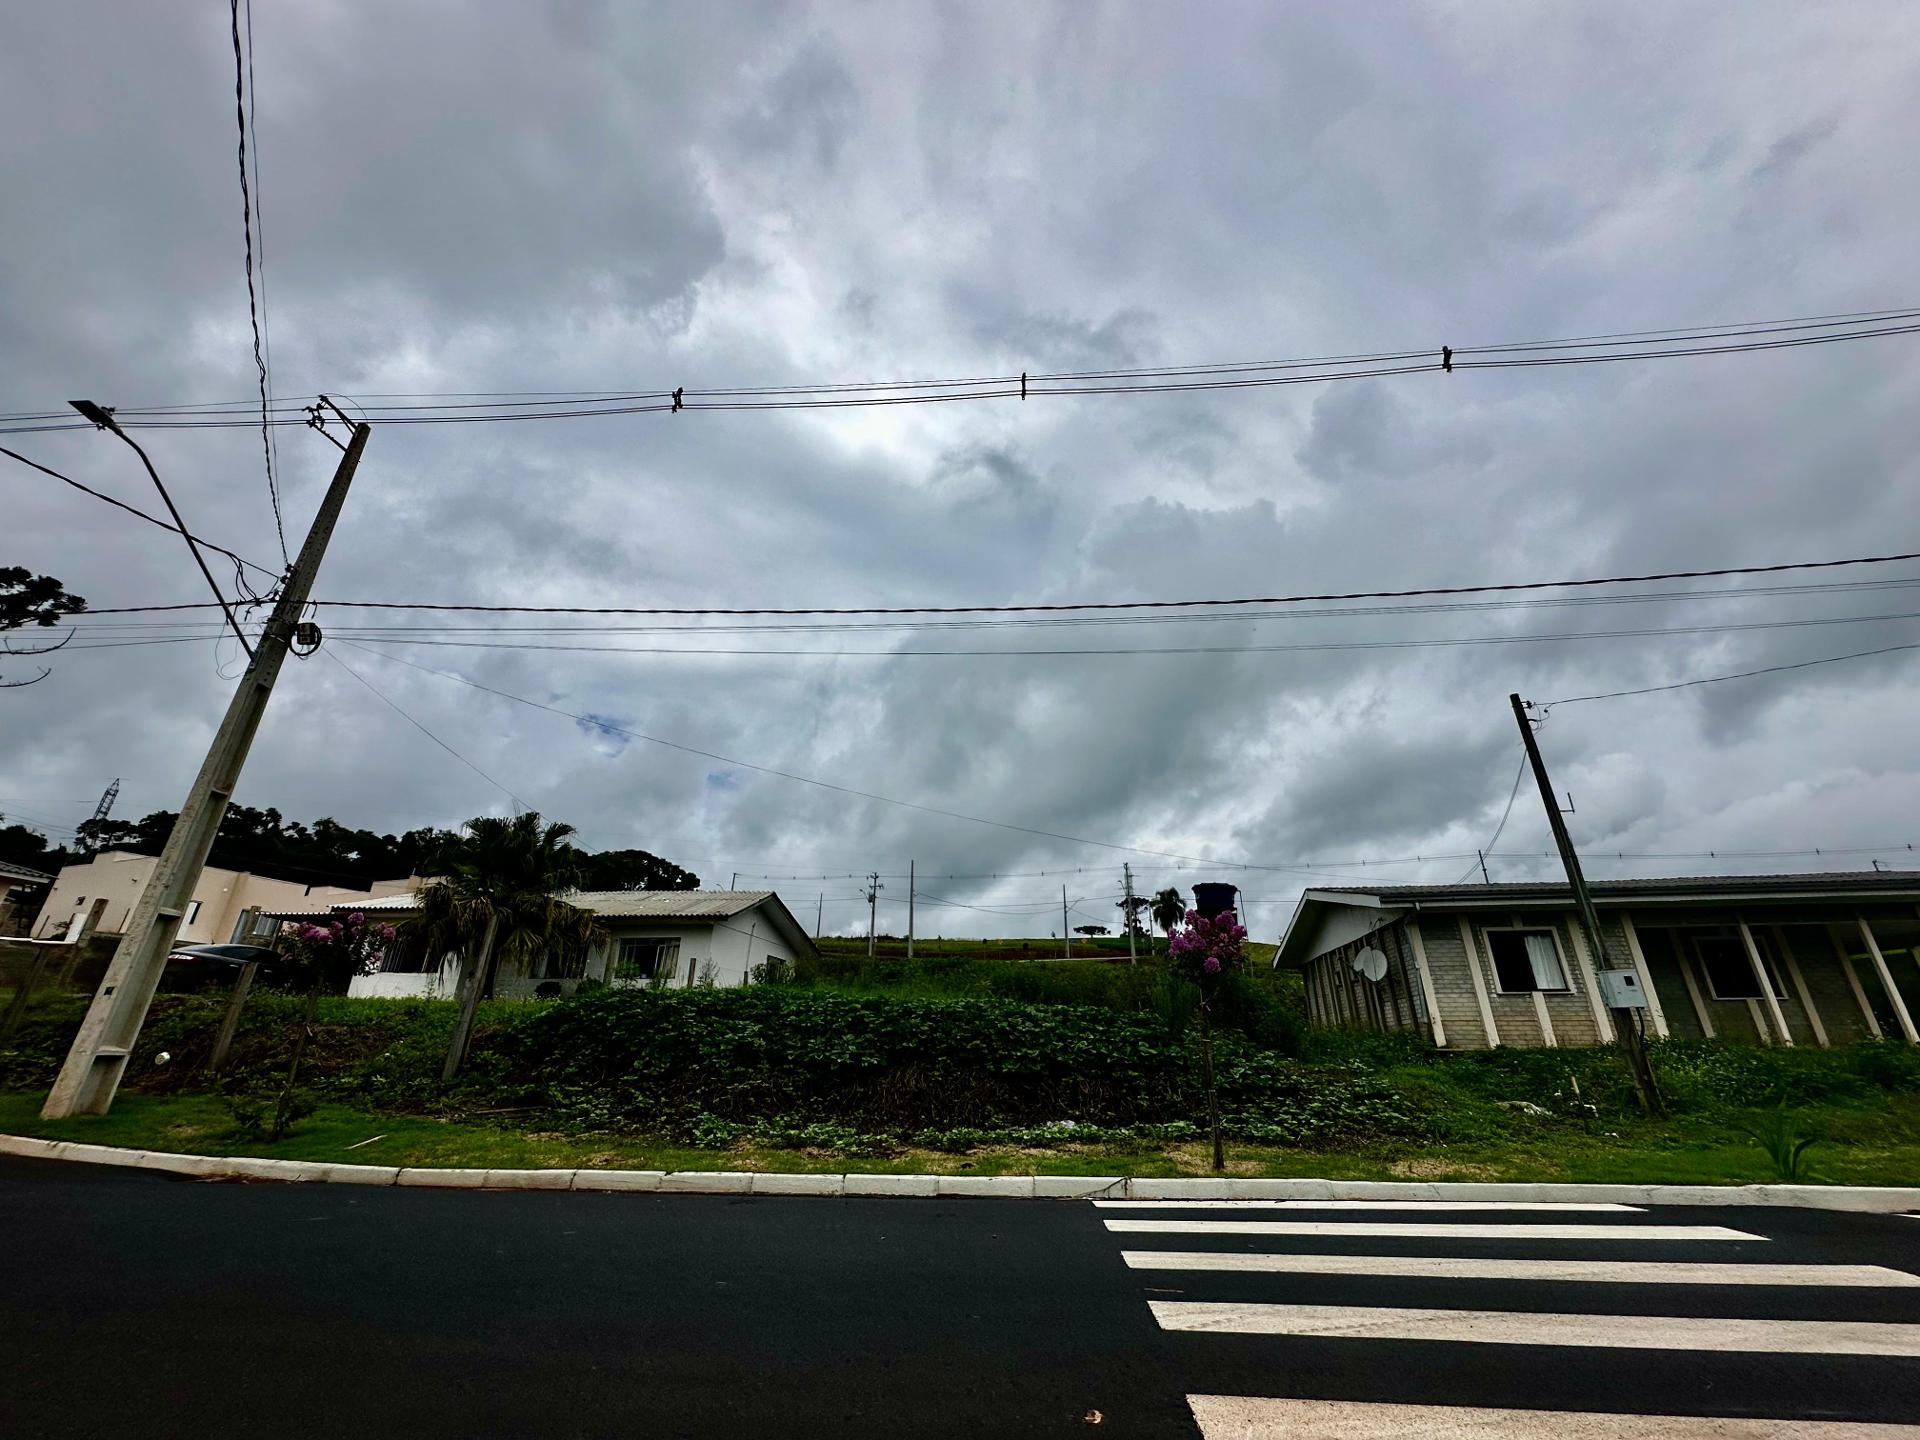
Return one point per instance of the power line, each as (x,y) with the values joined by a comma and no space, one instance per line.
(1506,587)
(1102,619)
(150,519)
(242,105)
(1680,342)
(1500,829)
(1737,675)
(807,779)
(1057,651)
(394,706)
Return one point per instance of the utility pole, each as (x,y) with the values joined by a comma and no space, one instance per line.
(912,866)
(1133,957)
(1628,1022)
(1066,935)
(734,883)
(874,887)
(819,908)
(1485,879)
(98,1059)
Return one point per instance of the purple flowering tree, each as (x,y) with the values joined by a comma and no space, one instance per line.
(1204,950)
(328,956)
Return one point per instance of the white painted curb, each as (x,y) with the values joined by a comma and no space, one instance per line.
(1875,1200)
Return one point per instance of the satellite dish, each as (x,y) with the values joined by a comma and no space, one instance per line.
(1370,963)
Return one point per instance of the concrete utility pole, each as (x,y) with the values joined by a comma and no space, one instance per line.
(1631,1038)
(912,866)
(98,1058)
(1066,935)
(1133,957)
(874,887)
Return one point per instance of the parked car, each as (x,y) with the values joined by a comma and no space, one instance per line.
(191,966)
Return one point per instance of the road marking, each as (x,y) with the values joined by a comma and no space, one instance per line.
(1509,1327)
(1248,1417)
(1414,1230)
(1447,1267)
(1561,1206)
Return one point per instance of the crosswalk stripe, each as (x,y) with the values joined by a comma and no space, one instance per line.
(1249,1417)
(1562,1206)
(1509,1327)
(1445,1267)
(1417,1230)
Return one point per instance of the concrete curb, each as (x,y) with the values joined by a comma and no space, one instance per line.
(1874,1200)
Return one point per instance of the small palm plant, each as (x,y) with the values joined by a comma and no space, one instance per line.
(501,895)
(1780,1134)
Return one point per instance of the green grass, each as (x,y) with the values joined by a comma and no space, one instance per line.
(1878,1145)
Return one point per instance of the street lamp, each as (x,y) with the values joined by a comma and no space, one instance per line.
(102,418)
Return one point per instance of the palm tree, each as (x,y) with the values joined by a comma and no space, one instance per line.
(500,895)
(1168,909)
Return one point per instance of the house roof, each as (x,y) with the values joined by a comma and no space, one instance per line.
(1828,885)
(669,904)
(714,907)
(20,874)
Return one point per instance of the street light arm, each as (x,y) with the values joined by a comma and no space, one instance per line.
(104,419)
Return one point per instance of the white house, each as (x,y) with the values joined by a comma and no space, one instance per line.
(666,937)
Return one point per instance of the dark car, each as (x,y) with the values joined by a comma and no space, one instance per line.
(191,966)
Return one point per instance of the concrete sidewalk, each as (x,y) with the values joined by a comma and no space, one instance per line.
(1883,1200)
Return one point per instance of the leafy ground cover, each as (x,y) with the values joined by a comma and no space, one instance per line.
(809,1077)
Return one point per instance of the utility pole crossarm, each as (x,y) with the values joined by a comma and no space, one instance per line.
(98,1058)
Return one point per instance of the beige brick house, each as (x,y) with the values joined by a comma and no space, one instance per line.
(1818,959)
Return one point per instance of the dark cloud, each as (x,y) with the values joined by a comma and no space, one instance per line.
(583,195)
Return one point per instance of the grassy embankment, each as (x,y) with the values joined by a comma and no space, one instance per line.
(937,1068)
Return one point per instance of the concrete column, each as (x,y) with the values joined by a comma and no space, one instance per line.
(1886,980)
(1544,1020)
(1583,961)
(1654,1010)
(1479,984)
(1792,962)
(1766,984)
(1853,984)
(1693,990)
(1426,982)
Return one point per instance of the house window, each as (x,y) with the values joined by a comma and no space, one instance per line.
(193,910)
(646,959)
(1525,960)
(1729,971)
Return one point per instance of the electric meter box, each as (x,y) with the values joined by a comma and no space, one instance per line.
(1622,990)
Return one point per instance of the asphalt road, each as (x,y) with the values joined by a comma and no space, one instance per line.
(136,1304)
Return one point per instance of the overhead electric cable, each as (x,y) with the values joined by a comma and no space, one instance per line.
(1672,343)
(1737,675)
(1299,598)
(242,104)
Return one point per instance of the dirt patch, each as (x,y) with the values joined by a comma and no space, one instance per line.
(1428,1167)
(1197,1159)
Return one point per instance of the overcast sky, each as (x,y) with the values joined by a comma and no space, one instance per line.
(474,198)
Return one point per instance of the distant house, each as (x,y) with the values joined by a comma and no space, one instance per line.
(227,905)
(1818,959)
(663,937)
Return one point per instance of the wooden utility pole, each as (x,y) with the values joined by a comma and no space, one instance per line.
(911,868)
(98,1059)
(873,907)
(819,909)
(1133,955)
(1066,935)
(230,1022)
(1632,1040)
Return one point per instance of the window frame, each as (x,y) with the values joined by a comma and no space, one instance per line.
(193,914)
(1487,932)
(1769,966)
(666,959)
